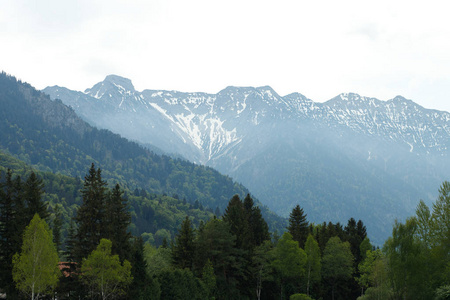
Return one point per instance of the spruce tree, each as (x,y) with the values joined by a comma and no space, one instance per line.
(20,212)
(91,214)
(117,220)
(11,229)
(298,226)
(6,233)
(235,216)
(33,191)
(71,242)
(57,226)
(258,228)
(183,249)
(143,286)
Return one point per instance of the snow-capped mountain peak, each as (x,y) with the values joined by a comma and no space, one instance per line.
(111,87)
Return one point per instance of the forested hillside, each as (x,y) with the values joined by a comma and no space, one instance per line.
(154,216)
(50,137)
(232,257)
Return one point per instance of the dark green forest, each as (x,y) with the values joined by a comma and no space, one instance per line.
(229,257)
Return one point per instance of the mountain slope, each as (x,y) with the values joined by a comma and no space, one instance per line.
(352,156)
(49,136)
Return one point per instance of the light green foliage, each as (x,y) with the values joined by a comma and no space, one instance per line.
(440,233)
(373,278)
(337,261)
(407,260)
(289,258)
(313,264)
(158,259)
(417,253)
(300,297)
(364,247)
(104,273)
(35,270)
(441,215)
(423,217)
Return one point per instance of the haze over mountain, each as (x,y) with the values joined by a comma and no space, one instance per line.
(49,136)
(351,156)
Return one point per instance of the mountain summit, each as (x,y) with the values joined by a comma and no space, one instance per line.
(111,83)
(351,156)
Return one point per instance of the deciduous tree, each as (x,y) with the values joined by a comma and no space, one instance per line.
(104,273)
(337,262)
(289,260)
(35,269)
(313,265)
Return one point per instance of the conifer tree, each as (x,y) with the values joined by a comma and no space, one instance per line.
(117,220)
(216,243)
(298,226)
(33,191)
(10,232)
(235,216)
(57,226)
(183,249)
(217,211)
(71,242)
(91,215)
(143,286)
(20,213)
(258,231)
(6,251)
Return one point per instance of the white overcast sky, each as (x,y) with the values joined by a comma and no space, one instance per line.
(318,48)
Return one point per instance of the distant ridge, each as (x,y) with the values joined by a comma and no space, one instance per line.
(351,156)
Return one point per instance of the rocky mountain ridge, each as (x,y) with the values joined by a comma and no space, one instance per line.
(211,123)
(336,159)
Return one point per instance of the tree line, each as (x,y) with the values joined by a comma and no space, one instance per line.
(229,257)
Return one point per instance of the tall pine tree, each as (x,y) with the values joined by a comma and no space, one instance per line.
(33,191)
(258,228)
(298,226)
(183,249)
(236,218)
(91,214)
(117,220)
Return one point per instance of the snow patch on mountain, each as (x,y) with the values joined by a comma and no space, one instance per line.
(212,122)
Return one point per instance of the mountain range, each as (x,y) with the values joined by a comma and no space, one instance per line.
(48,137)
(351,156)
